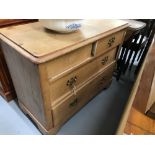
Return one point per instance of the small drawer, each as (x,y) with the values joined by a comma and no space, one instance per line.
(69,83)
(106,58)
(64,110)
(109,42)
(67,61)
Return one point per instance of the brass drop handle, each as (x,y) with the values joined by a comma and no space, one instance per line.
(71,84)
(93,50)
(111,41)
(71,81)
(74,103)
(104,60)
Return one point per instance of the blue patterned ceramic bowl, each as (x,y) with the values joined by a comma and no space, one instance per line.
(62,25)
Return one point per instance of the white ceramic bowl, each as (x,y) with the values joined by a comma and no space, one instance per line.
(62,25)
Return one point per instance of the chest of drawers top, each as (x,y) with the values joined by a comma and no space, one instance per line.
(40,45)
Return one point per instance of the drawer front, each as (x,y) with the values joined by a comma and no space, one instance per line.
(106,58)
(68,107)
(69,83)
(109,42)
(67,61)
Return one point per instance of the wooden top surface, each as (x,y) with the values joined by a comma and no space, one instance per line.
(39,44)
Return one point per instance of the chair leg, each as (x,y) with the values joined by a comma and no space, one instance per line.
(121,57)
(119,64)
(133,60)
(139,55)
(127,62)
(140,62)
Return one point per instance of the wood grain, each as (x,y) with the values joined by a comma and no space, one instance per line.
(146,81)
(59,88)
(42,62)
(59,65)
(151,99)
(6,85)
(26,79)
(139,123)
(40,45)
(105,43)
(63,111)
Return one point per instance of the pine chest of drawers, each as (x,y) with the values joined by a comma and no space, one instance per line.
(56,74)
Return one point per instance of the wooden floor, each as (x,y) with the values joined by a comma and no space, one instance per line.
(139,124)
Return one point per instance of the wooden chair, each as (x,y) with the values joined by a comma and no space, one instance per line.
(139,114)
(134,47)
(150,31)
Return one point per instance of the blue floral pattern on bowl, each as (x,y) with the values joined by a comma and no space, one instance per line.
(73,26)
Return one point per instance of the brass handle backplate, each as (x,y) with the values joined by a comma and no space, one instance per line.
(104,60)
(71,81)
(111,41)
(71,85)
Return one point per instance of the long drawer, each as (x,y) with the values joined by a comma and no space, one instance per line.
(79,56)
(65,109)
(67,61)
(61,87)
